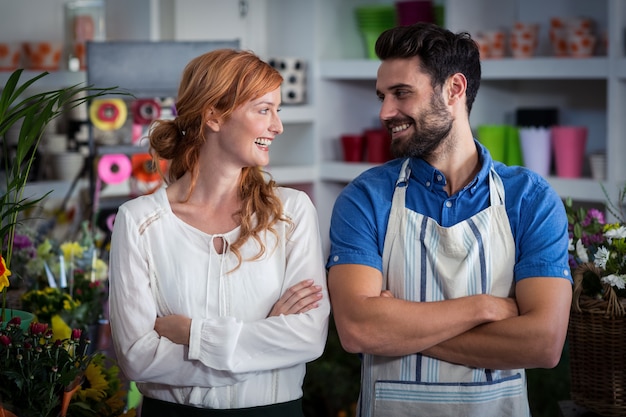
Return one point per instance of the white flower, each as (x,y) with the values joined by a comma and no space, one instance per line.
(601,257)
(619,233)
(618,281)
(581,251)
(570,246)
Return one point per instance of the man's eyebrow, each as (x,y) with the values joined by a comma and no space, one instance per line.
(395,87)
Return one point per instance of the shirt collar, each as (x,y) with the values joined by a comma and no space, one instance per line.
(433,179)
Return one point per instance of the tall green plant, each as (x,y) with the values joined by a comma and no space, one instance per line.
(34,112)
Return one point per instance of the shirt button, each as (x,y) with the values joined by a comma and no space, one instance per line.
(566,272)
(448,204)
(335,258)
(439,177)
(428,183)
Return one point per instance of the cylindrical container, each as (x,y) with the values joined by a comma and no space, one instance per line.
(513,148)
(568,146)
(494,138)
(377,145)
(10,56)
(84,21)
(597,164)
(536,148)
(413,11)
(352,145)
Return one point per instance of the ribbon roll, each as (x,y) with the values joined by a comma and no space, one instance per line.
(145,111)
(144,168)
(108,114)
(114,168)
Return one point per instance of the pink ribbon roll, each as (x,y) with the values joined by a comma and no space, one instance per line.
(114,168)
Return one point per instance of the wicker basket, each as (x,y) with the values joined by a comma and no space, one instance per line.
(597,344)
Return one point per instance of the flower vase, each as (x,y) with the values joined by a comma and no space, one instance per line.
(66,397)
(597,336)
(6,413)
(25,316)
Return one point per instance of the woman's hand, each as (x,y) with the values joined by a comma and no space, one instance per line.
(300,298)
(175,327)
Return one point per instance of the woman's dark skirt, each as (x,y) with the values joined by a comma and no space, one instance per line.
(157,408)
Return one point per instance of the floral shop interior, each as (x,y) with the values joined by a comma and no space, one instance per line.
(81,81)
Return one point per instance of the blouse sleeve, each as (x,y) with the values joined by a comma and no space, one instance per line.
(142,355)
(274,342)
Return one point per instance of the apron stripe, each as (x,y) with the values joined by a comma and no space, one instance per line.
(481,256)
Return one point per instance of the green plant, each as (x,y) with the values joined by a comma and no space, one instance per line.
(103,392)
(592,240)
(36,370)
(34,112)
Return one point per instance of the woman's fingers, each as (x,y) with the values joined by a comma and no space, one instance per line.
(299,298)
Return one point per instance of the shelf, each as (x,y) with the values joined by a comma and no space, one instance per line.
(292,174)
(342,171)
(584,189)
(545,68)
(349,69)
(540,68)
(54,79)
(292,113)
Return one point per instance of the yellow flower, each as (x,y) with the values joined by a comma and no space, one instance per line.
(4,274)
(101,270)
(44,248)
(97,387)
(72,250)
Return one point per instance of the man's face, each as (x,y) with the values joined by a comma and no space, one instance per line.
(414,113)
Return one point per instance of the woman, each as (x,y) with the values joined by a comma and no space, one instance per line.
(218,294)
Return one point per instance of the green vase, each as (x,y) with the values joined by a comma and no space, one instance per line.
(27,317)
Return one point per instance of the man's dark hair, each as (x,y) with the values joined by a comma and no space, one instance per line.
(442,53)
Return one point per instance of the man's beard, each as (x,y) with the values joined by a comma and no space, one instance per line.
(431,128)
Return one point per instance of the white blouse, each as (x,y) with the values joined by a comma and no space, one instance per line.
(237,356)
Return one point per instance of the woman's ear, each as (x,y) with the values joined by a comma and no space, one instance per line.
(213,121)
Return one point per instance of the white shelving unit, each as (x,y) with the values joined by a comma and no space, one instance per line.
(341,81)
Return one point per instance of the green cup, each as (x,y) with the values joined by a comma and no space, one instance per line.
(514,154)
(494,138)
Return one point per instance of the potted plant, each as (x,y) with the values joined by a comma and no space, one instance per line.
(597,328)
(39,374)
(34,113)
(36,371)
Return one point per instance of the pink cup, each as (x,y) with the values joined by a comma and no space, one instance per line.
(413,11)
(568,147)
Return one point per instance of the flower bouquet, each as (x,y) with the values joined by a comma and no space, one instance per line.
(70,286)
(102,392)
(597,329)
(32,113)
(38,374)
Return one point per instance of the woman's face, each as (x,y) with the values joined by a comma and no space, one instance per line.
(245,138)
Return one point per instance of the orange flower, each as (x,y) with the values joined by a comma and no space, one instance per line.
(4,274)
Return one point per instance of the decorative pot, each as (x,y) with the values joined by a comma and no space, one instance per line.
(26,317)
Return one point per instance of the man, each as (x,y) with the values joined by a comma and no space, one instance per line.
(447,271)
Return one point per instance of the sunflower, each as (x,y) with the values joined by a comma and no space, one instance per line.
(95,386)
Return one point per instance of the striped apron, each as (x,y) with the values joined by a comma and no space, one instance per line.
(423,261)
